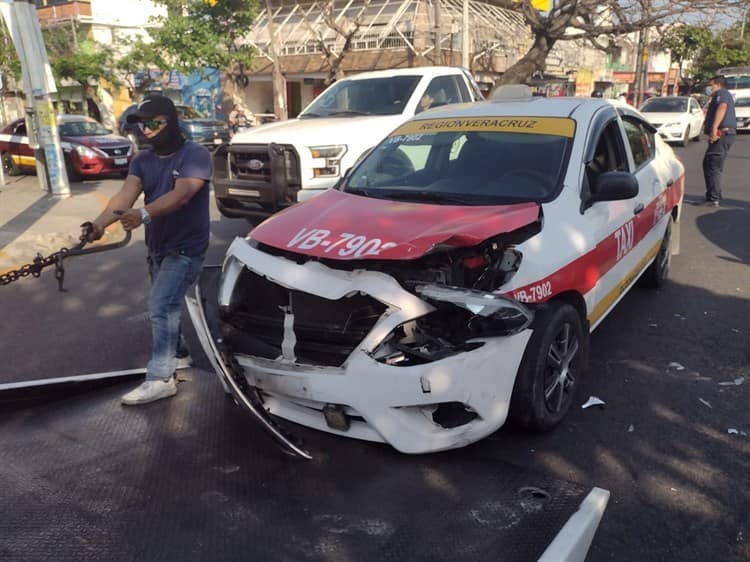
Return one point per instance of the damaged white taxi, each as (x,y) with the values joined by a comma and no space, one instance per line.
(451,280)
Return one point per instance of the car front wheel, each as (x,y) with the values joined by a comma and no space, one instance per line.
(9,166)
(686,138)
(555,356)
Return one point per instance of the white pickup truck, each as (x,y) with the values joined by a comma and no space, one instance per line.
(271,167)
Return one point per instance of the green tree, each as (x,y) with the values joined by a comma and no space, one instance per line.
(595,21)
(197,34)
(74,56)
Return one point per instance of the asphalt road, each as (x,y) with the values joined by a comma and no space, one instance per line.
(680,482)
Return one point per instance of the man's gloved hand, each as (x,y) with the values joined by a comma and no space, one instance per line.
(90,232)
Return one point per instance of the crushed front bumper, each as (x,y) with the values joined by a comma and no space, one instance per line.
(376,401)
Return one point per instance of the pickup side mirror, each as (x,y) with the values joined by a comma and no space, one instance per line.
(611,186)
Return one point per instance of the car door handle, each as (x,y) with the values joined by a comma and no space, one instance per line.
(638,208)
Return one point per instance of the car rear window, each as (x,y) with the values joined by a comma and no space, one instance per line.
(491,161)
(665,105)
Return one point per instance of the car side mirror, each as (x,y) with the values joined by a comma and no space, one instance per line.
(611,186)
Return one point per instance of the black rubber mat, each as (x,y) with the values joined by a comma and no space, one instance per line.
(190,478)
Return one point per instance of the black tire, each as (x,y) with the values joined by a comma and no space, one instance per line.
(686,139)
(9,166)
(656,274)
(72,174)
(554,359)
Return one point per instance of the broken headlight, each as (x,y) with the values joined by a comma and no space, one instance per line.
(487,308)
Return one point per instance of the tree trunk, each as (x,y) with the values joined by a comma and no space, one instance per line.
(533,61)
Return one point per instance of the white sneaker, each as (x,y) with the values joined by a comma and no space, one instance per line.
(150,391)
(183,362)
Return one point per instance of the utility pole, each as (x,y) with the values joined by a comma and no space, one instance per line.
(465,40)
(637,73)
(438,56)
(279,84)
(39,86)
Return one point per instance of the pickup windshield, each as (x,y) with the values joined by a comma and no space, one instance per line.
(458,167)
(371,96)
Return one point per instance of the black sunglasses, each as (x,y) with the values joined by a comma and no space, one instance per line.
(152,124)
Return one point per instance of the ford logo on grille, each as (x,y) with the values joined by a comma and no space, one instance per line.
(255,164)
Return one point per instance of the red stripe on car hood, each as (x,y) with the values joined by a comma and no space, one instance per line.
(404,230)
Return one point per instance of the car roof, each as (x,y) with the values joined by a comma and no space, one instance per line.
(428,71)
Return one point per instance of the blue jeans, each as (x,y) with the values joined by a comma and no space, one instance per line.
(171,276)
(713,165)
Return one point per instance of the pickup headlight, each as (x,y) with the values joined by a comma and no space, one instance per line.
(85,151)
(327,160)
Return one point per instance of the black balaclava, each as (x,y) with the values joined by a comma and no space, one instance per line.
(170,138)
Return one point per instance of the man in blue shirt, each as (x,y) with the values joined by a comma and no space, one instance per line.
(174,178)
(721,128)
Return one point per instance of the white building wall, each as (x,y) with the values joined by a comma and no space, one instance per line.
(113,21)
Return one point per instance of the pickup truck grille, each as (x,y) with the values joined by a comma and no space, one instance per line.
(327,331)
(253,162)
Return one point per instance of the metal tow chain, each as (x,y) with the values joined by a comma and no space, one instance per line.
(56,258)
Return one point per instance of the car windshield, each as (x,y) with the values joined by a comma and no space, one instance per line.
(187,112)
(742,102)
(665,105)
(371,96)
(467,167)
(83,128)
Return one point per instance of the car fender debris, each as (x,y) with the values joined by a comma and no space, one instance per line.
(593,401)
(705,402)
(676,366)
(736,382)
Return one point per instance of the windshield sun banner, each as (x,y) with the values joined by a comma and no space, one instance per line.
(558,126)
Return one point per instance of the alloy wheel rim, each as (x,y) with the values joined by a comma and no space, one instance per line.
(560,378)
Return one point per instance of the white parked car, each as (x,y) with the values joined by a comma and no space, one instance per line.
(677,118)
(269,168)
(451,280)
(742,110)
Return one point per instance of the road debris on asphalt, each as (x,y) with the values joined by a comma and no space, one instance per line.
(705,402)
(676,366)
(733,431)
(631,428)
(593,401)
(736,382)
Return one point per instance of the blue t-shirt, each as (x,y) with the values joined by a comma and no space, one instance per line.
(730,119)
(185,230)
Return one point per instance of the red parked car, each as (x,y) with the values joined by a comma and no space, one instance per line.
(90,149)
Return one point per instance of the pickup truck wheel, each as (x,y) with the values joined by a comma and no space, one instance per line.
(546,380)
(656,275)
(9,166)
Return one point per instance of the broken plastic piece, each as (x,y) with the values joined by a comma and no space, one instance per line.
(732,431)
(593,401)
(705,402)
(736,382)
(676,366)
